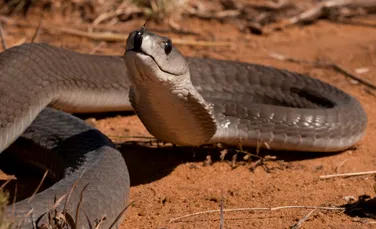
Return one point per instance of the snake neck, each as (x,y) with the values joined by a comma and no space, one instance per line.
(173,113)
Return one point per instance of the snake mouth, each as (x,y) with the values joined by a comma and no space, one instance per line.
(140,52)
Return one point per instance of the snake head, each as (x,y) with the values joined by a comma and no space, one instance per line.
(154,57)
(162,93)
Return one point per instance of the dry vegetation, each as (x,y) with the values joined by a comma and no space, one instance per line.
(3,202)
(257,17)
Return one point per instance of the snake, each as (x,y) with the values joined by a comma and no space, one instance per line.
(187,101)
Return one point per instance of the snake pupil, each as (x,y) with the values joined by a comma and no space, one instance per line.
(168,46)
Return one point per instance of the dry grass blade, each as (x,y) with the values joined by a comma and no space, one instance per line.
(340,164)
(119,216)
(100,222)
(3,41)
(37,31)
(39,185)
(80,202)
(28,214)
(39,219)
(10,178)
(14,200)
(88,220)
(301,221)
(4,198)
(58,201)
(71,191)
(70,220)
(222,217)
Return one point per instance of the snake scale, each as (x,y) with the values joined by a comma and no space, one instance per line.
(182,100)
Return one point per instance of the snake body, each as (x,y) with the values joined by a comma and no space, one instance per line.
(183,100)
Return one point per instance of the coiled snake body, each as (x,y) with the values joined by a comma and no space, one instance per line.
(186,101)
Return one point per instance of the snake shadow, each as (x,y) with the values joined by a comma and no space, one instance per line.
(147,164)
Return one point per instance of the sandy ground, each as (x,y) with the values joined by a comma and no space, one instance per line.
(168,183)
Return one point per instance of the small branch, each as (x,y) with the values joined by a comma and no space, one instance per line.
(256,209)
(347,174)
(324,65)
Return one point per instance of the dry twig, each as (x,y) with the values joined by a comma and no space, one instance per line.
(340,164)
(222,217)
(3,41)
(257,209)
(347,174)
(301,221)
(37,31)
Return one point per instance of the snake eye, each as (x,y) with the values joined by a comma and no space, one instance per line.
(167,46)
(138,40)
